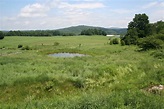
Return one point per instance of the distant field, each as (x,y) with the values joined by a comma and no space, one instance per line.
(112,76)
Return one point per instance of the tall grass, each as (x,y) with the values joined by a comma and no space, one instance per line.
(111,76)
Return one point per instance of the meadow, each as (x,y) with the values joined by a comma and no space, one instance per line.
(109,77)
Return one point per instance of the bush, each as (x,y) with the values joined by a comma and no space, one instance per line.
(1,35)
(78,82)
(160,36)
(20,46)
(122,43)
(26,48)
(150,43)
(114,41)
(111,42)
(158,54)
(56,43)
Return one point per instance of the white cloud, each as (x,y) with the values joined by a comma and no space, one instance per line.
(121,11)
(8,18)
(26,22)
(56,14)
(153,5)
(52,14)
(155,10)
(89,0)
(82,5)
(156,15)
(41,10)
(76,13)
(53,3)
(34,10)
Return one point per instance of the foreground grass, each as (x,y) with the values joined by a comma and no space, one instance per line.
(112,76)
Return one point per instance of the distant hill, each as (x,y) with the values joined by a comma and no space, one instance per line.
(69,31)
(77,29)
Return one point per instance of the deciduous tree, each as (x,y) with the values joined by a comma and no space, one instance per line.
(1,35)
(138,28)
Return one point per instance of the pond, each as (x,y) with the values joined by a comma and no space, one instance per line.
(67,55)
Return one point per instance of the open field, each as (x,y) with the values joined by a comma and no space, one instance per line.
(112,76)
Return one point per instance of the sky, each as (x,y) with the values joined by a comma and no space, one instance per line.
(55,14)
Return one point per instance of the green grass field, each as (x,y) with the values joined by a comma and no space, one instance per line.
(112,76)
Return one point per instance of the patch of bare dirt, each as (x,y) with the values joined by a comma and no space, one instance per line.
(156,89)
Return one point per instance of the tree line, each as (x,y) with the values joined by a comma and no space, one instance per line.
(50,33)
(93,32)
(37,33)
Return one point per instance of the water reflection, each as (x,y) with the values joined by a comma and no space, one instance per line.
(67,55)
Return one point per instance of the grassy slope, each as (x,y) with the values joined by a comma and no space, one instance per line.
(112,76)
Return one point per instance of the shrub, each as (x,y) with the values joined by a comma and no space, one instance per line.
(160,36)
(111,42)
(48,86)
(158,54)
(150,43)
(116,41)
(20,46)
(122,43)
(56,43)
(42,78)
(78,82)
(26,48)
(1,35)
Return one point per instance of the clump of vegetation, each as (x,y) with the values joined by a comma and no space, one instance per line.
(56,43)
(77,82)
(159,54)
(2,47)
(150,43)
(111,43)
(20,46)
(26,48)
(115,41)
(1,35)
(122,43)
(49,86)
